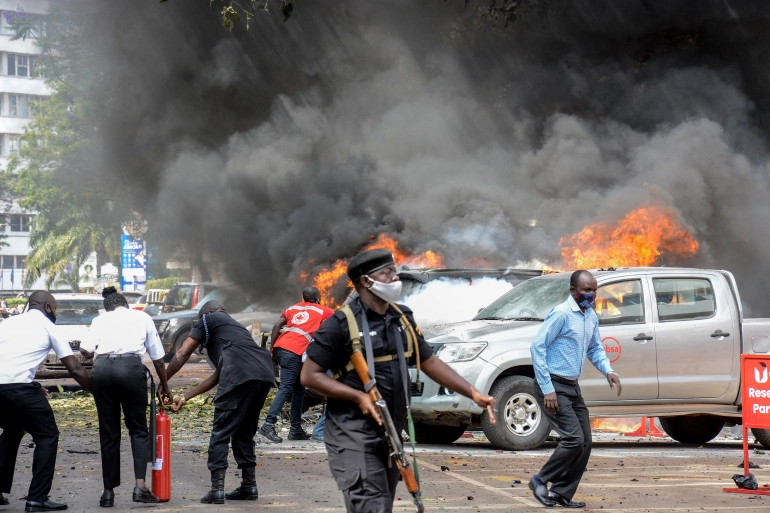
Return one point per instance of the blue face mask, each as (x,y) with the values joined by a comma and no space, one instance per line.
(584,300)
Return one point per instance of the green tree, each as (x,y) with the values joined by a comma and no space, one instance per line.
(55,174)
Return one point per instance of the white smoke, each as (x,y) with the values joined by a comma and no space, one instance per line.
(454,299)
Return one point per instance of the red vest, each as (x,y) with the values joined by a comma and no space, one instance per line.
(302,320)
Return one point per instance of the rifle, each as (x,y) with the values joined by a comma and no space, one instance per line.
(392,436)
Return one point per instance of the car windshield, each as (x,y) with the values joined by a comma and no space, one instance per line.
(530,300)
(180,296)
(77,311)
(234,300)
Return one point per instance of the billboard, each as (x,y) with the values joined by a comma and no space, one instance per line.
(756,390)
(133,263)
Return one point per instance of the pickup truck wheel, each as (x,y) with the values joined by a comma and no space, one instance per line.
(692,429)
(521,424)
(762,436)
(433,434)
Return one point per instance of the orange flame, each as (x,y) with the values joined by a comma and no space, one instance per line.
(639,239)
(329,280)
(615,425)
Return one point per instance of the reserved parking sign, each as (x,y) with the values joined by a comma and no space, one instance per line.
(756,390)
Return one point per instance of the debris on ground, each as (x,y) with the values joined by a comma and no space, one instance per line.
(751,465)
(748,482)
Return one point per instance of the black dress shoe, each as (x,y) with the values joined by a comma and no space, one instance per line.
(45,505)
(268,431)
(540,492)
(299,435)
(564,502)
(107,500)
(145,496)
(3,500)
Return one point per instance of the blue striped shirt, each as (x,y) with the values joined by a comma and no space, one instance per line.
(568,335)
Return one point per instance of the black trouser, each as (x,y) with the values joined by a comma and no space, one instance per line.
(236,419)
(24,408)
(568,462)
(368,480)
(121,383)
(291,364)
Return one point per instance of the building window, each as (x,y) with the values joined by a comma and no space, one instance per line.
(13,144)
(34,103)
(21,262)
(18,105)
(8,261)
(19,222)
(18,65)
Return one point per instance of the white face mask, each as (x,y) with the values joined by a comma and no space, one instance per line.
(388,292)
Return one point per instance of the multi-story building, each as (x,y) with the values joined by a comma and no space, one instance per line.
(21,87)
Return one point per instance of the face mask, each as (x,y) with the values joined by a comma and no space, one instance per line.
(51,316)
(388,292)
(584,300)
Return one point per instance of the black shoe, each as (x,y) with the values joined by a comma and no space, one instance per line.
(268,431)
(564,502)
(45,505)
(243,493)
(3,500)
(145,496)
(540,492)
(107,500)
(217,493)
(299,435)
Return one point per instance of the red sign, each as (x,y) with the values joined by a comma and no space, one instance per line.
(612,348)
(755,386)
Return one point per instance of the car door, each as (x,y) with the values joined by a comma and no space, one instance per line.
(628,337)
(697,335)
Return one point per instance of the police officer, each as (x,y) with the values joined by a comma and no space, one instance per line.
(358,454)
(24,343)
(244,373)
(119,338)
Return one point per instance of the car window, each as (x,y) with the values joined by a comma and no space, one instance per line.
(620,303)
(532,299)
(77,311)
(680,299)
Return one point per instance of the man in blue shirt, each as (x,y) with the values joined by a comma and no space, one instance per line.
(569,335)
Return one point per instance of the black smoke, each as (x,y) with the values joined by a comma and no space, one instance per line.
(282,148)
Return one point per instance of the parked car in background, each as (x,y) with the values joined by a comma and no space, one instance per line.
(185,296)
(137,299)
(74,315)
(174,328)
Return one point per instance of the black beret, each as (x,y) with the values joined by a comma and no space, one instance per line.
(368,262)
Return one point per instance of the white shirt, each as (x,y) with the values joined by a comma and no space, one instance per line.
(123,331)
(25,341)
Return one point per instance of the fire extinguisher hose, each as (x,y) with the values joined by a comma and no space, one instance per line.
(153,412)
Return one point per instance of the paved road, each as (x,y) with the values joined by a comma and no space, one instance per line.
(623,475)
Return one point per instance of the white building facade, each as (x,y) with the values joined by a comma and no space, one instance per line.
(20,88)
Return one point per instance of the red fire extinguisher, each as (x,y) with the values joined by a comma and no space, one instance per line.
(160,431)
(161,468)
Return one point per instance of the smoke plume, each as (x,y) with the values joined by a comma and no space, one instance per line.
(282,148)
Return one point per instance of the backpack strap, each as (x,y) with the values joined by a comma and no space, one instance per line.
(355,341)
(411,337)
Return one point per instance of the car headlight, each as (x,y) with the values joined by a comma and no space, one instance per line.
(462,352)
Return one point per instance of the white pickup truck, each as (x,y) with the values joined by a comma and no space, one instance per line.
(674,336)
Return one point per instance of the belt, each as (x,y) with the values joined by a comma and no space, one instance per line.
(124,355)
(563,381)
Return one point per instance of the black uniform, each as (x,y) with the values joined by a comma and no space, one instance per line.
(358,452)
(245,377)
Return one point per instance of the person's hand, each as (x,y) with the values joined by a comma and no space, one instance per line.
(178,402)
(45,393)
(551,403)
(368,408)
(614,382)
(485,401)
(164,394)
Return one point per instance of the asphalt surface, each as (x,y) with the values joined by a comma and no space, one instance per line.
(624,474)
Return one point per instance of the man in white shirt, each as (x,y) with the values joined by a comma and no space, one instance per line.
(25,341)
(119,338)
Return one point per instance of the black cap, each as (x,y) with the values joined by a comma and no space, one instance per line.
(368,262)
